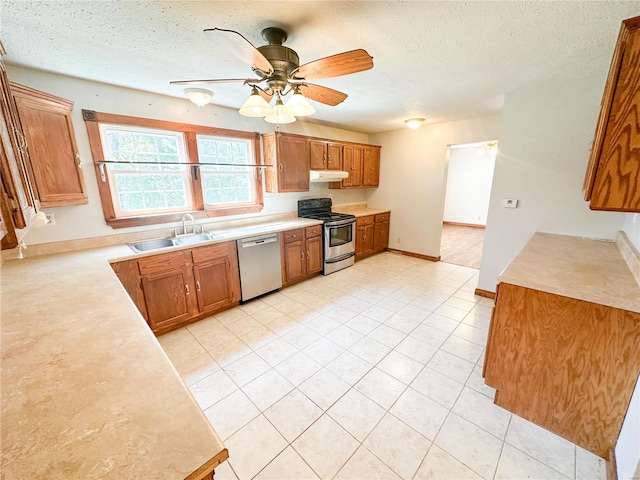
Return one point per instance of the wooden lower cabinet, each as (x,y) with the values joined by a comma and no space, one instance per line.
(301,253)
(177,288)
(372,234)
(565,364)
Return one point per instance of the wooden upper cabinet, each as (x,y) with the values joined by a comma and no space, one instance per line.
(371,166)
(288,159)
(334,156)
(51,146)
(613,175)
(317,155)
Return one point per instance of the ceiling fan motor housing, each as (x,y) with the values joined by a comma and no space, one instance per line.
(284,61)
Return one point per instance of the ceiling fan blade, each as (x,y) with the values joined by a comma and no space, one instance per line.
(325,95)
(335,66)
(216,80)
(241,48)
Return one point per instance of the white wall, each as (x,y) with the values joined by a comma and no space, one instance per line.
(88,220)
(542,157)
(413,178)
(469,177)
(632,229)
(628,446)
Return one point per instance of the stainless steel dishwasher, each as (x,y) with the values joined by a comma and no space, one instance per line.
(260,266)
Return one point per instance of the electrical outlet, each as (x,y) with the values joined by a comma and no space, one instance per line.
(510,203)
(50,219)
(398,240)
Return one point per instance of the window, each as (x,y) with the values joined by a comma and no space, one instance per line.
(152,171)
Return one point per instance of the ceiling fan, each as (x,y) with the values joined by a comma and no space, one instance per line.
(278,72)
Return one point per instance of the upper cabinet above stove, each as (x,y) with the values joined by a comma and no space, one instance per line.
(613,176)
(291,158)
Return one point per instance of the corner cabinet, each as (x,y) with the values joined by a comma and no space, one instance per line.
(177,288)
(287,157)
(612,181)
(301,254)
(51,145)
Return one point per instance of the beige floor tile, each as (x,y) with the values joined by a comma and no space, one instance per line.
(364,465)
(516,464)
(247,368)
(355,304)
(426,304)
(216,337)
(362,324)
(228,317)
(402,323)
(185,351)
(267,389)
(387,336)
(477,319)
(298,368)
(287,465)
(415,311)
(301,337)
(277,351)
(231,414)
(416,349)
(459,303)
(323,351)
(204,326)
(439,465)
(400,367)
(325,446)
(397,445)
(481,411)
(378,313)
(253,306)
(469,444)
(380,387)
(423,414)
(243,325)
(267,315)
(282,325)
(463,348)
(541,444)
(441,323)
(428,334)
(370,350)
(254,446)
(197,368)
(438,387)
(356,413)
(230,352)
(339,314)
(258,337)
(212,389)
(225,472)
(176,337)
(324,388)
(471,334)
(589,466)
(349,367)
(451,365)
(476,382)
(293,414)
(344,336)
(322,324)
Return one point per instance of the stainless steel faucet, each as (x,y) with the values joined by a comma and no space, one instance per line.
(184,225)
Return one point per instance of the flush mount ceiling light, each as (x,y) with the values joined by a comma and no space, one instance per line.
(279,116)
(199,96)
(255,106)
(414,123)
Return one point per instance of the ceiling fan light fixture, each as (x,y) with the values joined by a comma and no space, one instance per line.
(298,106)
(255,106)
(199,96)
(279,116)
(414,123)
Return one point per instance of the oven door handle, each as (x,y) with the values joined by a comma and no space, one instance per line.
(339,223)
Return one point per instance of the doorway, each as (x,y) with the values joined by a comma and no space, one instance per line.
(468,190)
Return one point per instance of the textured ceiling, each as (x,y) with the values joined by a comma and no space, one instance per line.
(439,60)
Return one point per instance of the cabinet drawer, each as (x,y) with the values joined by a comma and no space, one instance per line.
(211,252)
(163,262)
(368,220)
(314,231)
(293,235)
(383,217)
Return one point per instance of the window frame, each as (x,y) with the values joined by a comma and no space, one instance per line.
(93,120)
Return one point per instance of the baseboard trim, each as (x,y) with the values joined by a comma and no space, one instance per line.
(485,293)
(415,255)
(473,225)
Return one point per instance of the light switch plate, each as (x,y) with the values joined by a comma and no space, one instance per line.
(510,203)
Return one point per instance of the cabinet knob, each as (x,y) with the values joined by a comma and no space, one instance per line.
(198,285)
(307,254)
(186,288)
(302,255)
(78,161)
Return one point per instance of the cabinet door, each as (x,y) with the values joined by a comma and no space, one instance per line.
(214,285)
(317,155)
(334,156)
(371,167)
(381,236)
(314,254)
(368,239)
(294,261)
(613,176)
(293,164)
(168,298)
(51,145)
(348,166)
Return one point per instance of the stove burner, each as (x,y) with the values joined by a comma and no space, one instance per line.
(320,209)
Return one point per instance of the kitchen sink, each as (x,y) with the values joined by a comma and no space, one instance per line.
(190,239)
(146,245)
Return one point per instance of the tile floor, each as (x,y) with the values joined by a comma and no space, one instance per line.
(374,372)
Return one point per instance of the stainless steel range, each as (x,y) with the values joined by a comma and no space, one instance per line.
(339,245)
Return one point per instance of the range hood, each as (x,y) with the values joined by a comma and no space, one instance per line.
(327,175)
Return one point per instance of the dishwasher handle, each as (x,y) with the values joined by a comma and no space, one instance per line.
(257,241)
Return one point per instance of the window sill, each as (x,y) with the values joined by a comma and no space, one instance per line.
(125,222)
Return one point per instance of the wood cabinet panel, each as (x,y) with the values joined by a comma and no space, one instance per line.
(613,176)
(381,236)
(168,297)
(317,155)
(364,236)
(288,156)
(567,365)
(371,166)
(294,261)
(334,156)
(214,285)
(129,275)
(164,262)
(51,145)
(302,253)
(314,255)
